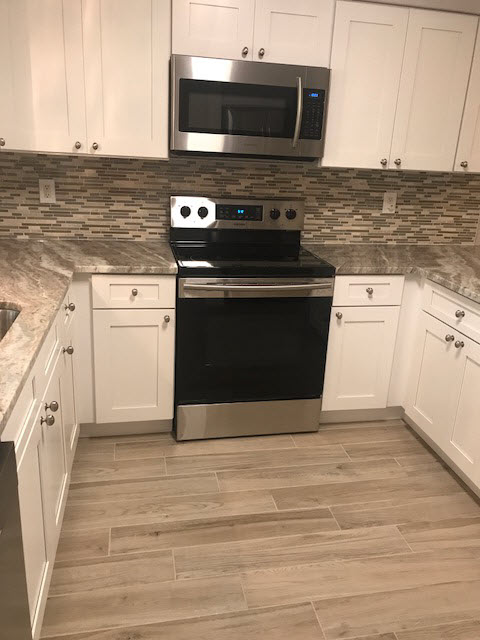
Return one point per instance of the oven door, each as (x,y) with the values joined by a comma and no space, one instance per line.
(228,106)
(251,340)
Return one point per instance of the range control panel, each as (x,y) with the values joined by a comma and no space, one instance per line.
(190,212)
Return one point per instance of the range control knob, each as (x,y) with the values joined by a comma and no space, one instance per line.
(274,214)
(203,212)
(291,214)
(185,211)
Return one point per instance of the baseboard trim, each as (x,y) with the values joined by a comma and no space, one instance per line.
(93,429)
(443,456)
(361,415)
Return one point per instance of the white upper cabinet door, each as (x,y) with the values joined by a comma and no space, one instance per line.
(213,28)
(134,354)
(127,52)
(433,86)
(468,152)
(42,106)
(297,32)
(359,360)
(367,54)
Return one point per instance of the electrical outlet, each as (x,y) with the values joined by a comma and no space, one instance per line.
(389,202)
(47,191)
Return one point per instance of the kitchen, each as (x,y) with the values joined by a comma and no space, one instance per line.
(239,218)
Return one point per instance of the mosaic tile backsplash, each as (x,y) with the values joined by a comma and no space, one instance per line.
(129,198)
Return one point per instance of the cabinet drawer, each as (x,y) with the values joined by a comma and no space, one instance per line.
(452,308)
(130,292)
(371,291)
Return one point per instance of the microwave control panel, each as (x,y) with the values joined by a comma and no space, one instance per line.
(313,109)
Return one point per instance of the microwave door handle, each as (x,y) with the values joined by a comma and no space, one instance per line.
(298,120)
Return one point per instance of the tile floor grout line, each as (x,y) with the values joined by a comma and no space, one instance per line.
(337,522)
(174,565)
(397,526)
(218,482)
(109,541)
(318,620)
(346,453)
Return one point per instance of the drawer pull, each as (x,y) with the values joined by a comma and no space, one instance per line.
(167,319)
(449,337)
(339,315)
(49,420)
(459,313)
(134,293)
(459,344)
(53,406)
(369,290)
(70,307)
(68,350)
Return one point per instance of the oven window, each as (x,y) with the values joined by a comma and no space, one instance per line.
(248,349)
(237,109)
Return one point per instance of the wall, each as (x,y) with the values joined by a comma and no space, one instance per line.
(129,198)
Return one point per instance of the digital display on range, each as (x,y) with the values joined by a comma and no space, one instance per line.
(239,212)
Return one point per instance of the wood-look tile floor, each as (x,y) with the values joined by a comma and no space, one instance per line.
(355,532)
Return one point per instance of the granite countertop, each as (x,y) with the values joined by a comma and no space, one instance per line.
(35,276)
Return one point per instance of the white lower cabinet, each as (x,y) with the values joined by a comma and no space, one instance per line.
(134,355)
(359,360)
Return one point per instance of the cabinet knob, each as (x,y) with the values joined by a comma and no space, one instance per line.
(459,313)
(49,420)
(369,290)
(339,315)
(2,142)
(70,307)
(459,344)
(384,162)
(95,146)
(449,337)
(245,51)
(53,406)
(398,161)
(78,145)
(68,350)
(167,319)
(261,52)
(134,292)
(464,164)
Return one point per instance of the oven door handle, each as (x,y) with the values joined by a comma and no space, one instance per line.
(258,287)
(298,120)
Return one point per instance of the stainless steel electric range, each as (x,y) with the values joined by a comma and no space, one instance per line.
(253,311)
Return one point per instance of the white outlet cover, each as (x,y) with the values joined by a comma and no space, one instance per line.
(389,202)
(47,191)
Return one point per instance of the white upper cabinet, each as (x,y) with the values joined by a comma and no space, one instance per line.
(294,32)
(213,28)
(468,152)
(436,68)
(42,106)
(367,54)
(127,47)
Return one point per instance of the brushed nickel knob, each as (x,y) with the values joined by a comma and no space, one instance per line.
(459,313)
(339,315)
(384,162)
(245,51)
(95,146)
(70,307)
(134,292)
(53,406)
(464,164)
(68,350)
(78,145)
(459,344)
(167,319)
(2,142)
(261,52)
(49,420)
(398,161)
(449,337)
(369,290)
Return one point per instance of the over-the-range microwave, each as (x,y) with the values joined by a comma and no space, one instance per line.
(247,108)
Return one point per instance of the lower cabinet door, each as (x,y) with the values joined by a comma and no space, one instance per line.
(463,444)
(31,513)
(69,416)
(359,358)
(52,460)
(134,355)
(433,389)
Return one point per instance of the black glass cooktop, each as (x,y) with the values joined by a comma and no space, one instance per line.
(248,260)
